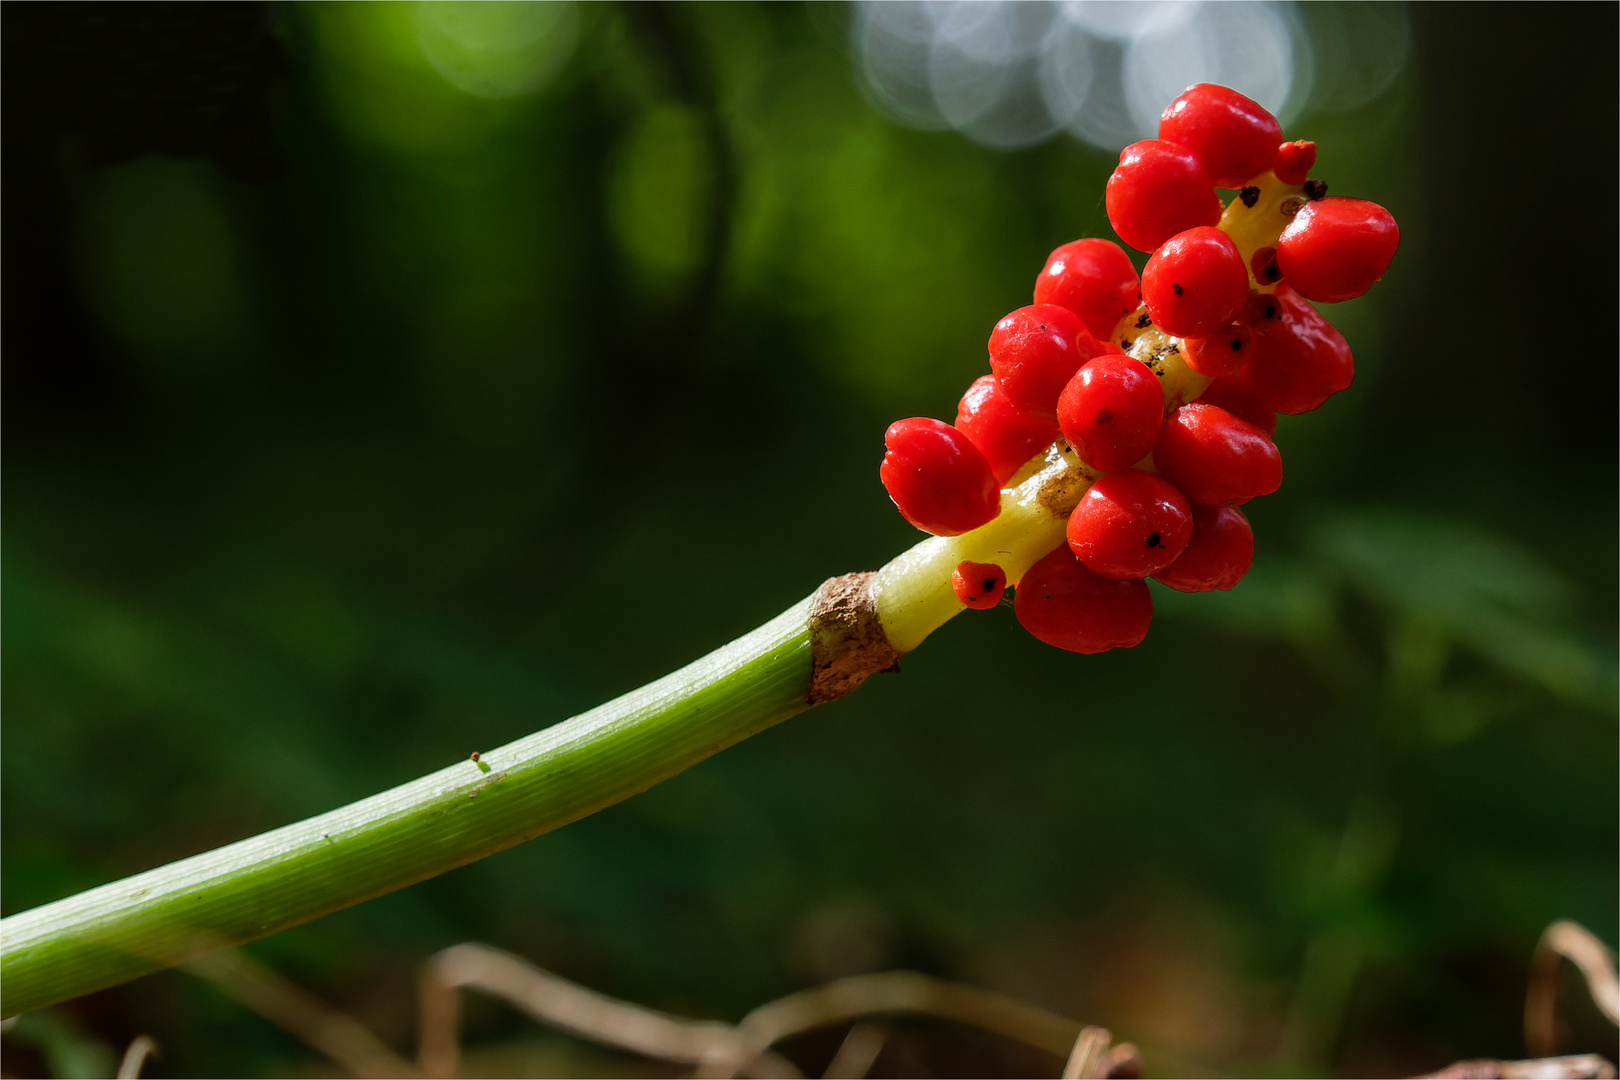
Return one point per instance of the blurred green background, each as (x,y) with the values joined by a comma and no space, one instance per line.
(388,381)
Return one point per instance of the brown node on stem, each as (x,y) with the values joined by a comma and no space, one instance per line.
(847,642)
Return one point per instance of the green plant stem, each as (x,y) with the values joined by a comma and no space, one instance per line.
(446,819)
(471,809)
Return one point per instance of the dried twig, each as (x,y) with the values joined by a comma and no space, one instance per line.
(1581,1067)
(299,1013)
(140,1048)
(891,992)
(556,1001)
(857,1052)
(1566,940)
(1087,1053)
(1122,1062)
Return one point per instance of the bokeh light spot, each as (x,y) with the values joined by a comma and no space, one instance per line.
(497,48)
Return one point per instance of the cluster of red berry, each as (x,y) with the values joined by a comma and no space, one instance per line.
(1166,387)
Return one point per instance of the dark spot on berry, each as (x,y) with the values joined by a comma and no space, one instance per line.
(1237,343)
(1124,343)
(1144,321)
(1104,415)
(1153,540)
(1315,189)
(1176,287)
(1250,196)
(989,584)
(1271,311)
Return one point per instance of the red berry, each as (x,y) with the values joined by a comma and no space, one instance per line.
(1299,360)
(1294,161)
(1215,458)
(1222,353)
(1263,264)
(1111,411)
(1195,282)
(979,585)
(1159,190)
(1230,134)
(1004,435)
(1064,604)
(1095,280)
(937,477)
(1238,399)
(1335,248)
(1217,557)
(1129,524)
(1035,351)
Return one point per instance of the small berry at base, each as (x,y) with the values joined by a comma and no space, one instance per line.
(1195,282)
(1092,278)
(1217,556)
(1234,137)
(1215,458)
(1159,190)
(1111,411)
(1064,604)
(978,585)
(1006,436)
(1035,351)
(937,477)
(1129,524)
(1335,248)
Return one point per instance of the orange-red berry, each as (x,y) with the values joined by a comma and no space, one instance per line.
(1093,278)
(1215,458)
(979,585)
(1158,190)
(1066,605)
(1335,248)
(1129,524)
(1233,136)
(1217,556)
(937,477)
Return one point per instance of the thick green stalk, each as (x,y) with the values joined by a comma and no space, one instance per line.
(269,883)
(815,651)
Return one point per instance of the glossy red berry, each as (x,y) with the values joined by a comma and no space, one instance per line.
(1093,278)
(1195,282)
(1064,604)
(1215,458)
(1035,351)
(937,477)
(1129,524)
(1299,360)
(1233,136)
(1159,190)
(1217,557)
(1006,436)
(1222,353)
(1111,411)
(1239,399)
(1294,161)
(979,585)
(1335,248)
